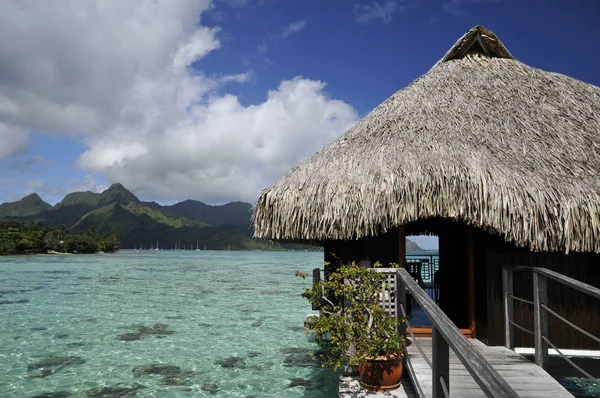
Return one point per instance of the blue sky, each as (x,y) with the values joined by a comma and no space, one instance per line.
(216,100)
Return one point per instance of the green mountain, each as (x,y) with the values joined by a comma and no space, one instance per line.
(30,205)
(188,224)
(140,228)
(412,246)
(68,211)
(234,213)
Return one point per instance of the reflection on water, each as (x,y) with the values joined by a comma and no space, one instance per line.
(189,324)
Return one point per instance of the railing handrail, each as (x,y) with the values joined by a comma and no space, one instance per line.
(488,379)
(566,280)
(540,330)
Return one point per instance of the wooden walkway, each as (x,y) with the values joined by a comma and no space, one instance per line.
(525,377)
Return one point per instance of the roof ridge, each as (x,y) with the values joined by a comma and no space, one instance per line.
(489,43)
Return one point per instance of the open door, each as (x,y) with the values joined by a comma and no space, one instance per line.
(447,277)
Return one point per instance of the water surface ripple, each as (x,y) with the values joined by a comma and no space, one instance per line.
(158,324)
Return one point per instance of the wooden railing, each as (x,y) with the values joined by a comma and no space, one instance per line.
(540,311)
(445,336)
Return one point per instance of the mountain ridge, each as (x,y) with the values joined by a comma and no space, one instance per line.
(183,224)
(29,205)
(186,224)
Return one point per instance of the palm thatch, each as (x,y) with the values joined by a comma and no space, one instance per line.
(481,138)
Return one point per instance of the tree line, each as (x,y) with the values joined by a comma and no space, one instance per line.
(33,237)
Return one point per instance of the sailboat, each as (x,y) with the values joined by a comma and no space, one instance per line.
(204,247)
(157,246)
(197,249)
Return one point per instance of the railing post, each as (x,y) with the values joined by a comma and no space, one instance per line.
(400,303)
(540,319)
(509,307)
(316,280)
(441,363)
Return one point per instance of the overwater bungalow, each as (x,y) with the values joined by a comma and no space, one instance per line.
(499,159)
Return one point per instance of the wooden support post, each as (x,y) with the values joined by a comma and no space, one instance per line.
(316,280)
(349,370)
(509,307)
(540,319)
(471,280)
(400,303)
(441,363)
(401,246)
(402,259)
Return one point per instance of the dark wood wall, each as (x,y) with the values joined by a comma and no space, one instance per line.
(383,248)
(492,253)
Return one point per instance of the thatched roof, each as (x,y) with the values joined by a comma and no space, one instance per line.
(481,138)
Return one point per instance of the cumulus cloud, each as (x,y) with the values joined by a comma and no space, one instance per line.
(70,68)
(293,27)
(225,150)
(14,139)
(125,77)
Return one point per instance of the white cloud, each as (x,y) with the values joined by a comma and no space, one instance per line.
(119,76)
(201,43)
(70,69)
(236,3)
(225,150)
(293,27)
(262,48)
(14,139)
(367,13)
(459,7)
(381,11)
(88,183)
(239,78)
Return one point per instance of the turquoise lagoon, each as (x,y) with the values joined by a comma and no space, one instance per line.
(158,324)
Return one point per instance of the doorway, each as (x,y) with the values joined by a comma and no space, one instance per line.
(447,276)
(422,261)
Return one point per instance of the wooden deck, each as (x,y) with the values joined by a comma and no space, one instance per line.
(525,377)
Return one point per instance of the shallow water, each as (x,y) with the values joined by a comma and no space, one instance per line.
(228,323)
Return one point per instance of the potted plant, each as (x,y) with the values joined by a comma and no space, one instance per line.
(355,327)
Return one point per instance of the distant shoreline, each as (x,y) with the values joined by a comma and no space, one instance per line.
(49,253)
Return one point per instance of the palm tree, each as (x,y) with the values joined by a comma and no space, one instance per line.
(62,232)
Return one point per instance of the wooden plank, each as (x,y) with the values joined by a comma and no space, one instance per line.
(525,377)
(485,376)
(574,283)
(427,332)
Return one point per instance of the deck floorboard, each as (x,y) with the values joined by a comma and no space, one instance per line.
(525,377)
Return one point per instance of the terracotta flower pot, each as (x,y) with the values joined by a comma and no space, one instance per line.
(381,373)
